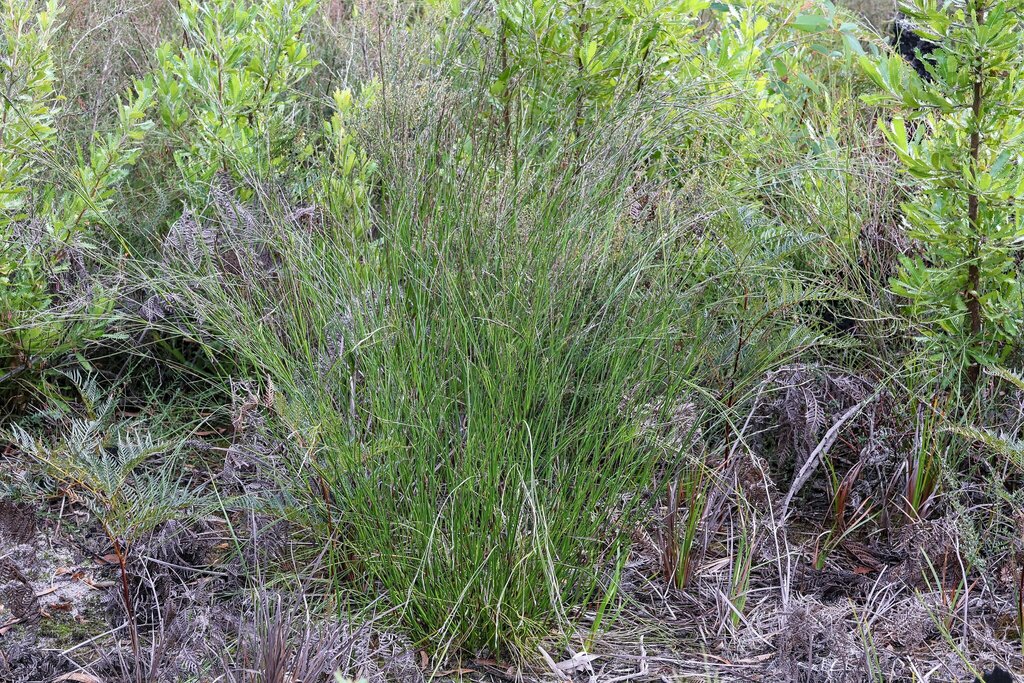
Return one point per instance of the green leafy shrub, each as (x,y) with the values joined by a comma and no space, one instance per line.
(345,171)
(575,56)
(960,136)
(229,101)
(227,95)
(52,198)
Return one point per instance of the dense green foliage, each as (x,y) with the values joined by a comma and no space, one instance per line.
(964,149)
(227,93)
(516,288)
(52,205)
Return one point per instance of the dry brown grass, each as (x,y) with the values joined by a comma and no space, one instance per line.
(878,13)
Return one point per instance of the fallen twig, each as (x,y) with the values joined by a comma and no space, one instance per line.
(812,460)
(551,663)
(642,671)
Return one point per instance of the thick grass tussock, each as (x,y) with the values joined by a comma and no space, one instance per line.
(491,404)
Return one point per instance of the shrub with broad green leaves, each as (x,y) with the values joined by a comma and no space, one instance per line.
(960,135)
(229,101)
(54,197)
(227,95)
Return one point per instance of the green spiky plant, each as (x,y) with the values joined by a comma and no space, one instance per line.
(109,467)
(470,406)
(960,136)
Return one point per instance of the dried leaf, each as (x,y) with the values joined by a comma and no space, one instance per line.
(78,677)
(578,662)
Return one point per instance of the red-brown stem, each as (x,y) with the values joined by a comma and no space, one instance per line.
(127,596)
(972,297)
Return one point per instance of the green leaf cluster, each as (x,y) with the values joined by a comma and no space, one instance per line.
(52,195)
(960,136)
(227,95)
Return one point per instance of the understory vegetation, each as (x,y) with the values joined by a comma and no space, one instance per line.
(606,339)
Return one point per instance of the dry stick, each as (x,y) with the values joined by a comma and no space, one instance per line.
(812,460)
(552,665)
(4,627)
(746,423)
(644,668)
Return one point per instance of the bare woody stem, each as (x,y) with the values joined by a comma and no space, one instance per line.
(971,294)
